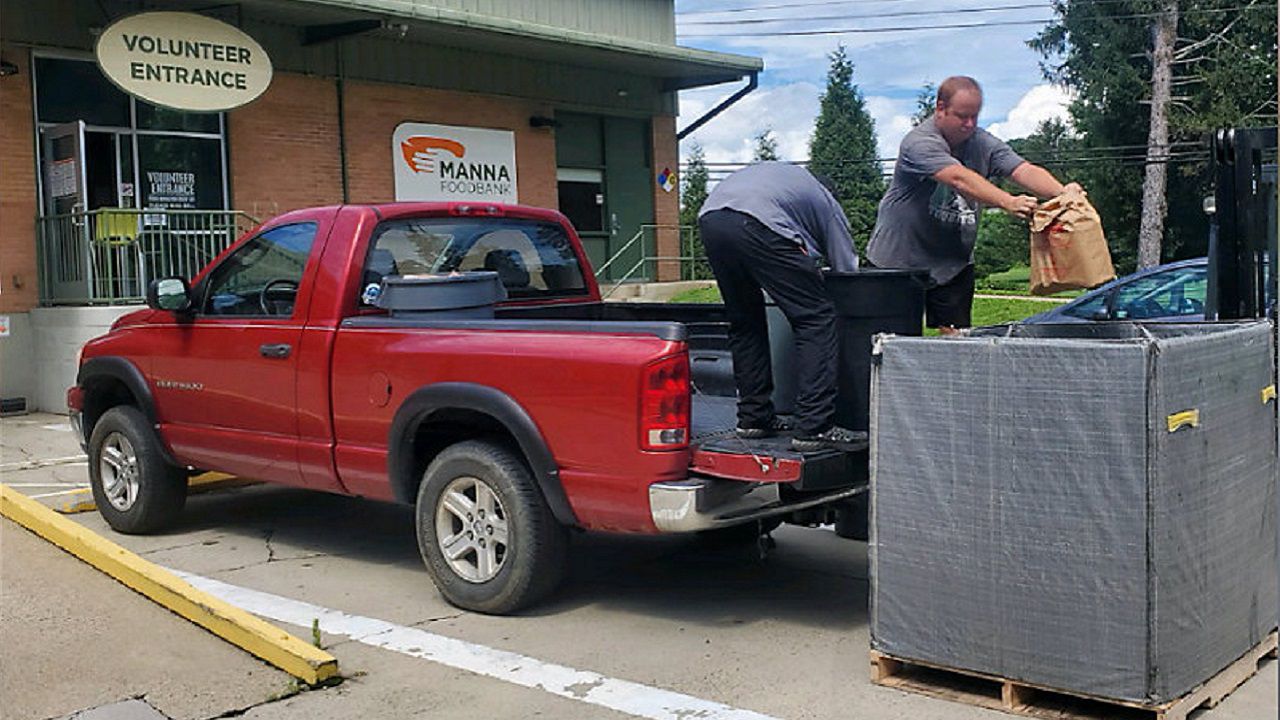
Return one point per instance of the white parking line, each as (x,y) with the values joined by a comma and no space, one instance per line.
(582,685)
(77,491)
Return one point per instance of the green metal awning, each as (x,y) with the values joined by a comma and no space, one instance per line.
(677,67)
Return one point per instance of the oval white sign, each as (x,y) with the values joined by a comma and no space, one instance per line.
(183,61)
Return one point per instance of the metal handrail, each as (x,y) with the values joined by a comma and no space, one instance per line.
(687,256)
(107,256)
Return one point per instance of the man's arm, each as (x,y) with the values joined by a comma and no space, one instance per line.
(1039,181)
(975,187)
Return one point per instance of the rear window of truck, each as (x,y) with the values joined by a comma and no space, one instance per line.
(533,259)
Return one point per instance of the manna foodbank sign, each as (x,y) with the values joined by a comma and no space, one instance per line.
(183,61)
(447,162)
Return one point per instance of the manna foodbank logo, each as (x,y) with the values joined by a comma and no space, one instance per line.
(420,151)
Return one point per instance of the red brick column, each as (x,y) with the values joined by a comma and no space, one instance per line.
(18,201)
(666,205)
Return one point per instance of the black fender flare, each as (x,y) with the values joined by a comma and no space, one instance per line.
(124,371)
(121,369)
(489,401)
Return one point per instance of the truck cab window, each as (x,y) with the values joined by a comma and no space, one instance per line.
(533,259)
(261,277)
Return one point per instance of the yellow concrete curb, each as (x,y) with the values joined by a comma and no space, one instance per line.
(82,500)
(302,660)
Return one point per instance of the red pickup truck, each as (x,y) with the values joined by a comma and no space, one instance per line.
(556,412)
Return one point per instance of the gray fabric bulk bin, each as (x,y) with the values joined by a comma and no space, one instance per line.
(1035,518)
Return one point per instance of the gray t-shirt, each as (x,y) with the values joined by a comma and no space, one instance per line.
(924,224)
(790,201)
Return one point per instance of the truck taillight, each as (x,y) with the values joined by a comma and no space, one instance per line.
(664,404)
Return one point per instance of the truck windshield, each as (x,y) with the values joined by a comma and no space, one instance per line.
(533,259)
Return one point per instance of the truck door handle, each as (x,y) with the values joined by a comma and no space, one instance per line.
(280,350)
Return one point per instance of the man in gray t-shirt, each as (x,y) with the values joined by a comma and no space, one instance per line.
(928,219)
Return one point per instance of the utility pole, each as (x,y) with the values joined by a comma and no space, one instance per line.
(1155,204)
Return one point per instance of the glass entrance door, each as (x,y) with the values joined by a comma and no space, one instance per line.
(67,263)
(64,168)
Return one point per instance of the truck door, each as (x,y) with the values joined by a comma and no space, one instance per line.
(225,380)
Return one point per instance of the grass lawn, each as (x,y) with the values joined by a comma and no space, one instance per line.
(1015,281)
(986,311)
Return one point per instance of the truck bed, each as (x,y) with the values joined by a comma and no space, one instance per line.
(717,451)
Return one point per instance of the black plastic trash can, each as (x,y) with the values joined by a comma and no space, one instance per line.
(869,302)
(444,296)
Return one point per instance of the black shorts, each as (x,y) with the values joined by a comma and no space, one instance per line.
(950,304)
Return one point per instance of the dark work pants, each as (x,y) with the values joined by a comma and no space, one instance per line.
(746,256)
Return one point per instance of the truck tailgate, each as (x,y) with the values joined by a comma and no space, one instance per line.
(717,451)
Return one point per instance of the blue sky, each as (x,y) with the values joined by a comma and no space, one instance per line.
(889,67)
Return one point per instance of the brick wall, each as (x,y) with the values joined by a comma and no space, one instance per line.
(18,291)
(666,205)
(373,110)
(283,147)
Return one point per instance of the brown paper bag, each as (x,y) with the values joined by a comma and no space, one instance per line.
(1068,248)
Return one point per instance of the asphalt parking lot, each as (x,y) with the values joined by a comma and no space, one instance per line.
(641,623)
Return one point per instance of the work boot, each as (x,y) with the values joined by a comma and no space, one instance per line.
(773,427)
(834,437)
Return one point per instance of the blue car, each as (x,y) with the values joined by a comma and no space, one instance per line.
(1172,292)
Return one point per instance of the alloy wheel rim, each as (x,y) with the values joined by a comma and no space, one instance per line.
(118,468)
(471,529)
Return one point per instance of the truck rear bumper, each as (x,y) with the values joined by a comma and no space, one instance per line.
(706,503)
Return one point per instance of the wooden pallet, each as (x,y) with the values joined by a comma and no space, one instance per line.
(1018,698)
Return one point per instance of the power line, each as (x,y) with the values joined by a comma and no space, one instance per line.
(954,26)
(793,5)
(782,6)
(897,14)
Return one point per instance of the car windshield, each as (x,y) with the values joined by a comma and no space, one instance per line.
(533,259)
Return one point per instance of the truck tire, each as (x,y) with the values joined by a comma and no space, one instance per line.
(852,517)
(485,532)
(135,489)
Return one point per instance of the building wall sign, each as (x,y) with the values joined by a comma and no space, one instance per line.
(183,61)
(450,163)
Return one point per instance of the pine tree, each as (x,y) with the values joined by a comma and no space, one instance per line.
(843,148)
(926,103)
(693,193)
(766,146)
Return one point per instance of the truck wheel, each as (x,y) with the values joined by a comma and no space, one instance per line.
(851,519)
(135,489)
(485,532)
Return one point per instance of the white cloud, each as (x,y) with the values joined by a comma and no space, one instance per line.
(893,122)
(789,110)
(1040,103)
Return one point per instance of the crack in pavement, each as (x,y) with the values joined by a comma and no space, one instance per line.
(294,689)
(41,462)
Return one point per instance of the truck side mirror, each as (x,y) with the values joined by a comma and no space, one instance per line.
(171,293)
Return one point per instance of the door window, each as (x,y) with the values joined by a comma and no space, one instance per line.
(581,194)
(1173,293)
(180,172)
(261,277)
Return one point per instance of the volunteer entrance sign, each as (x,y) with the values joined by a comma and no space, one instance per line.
(183,61)
(450,163)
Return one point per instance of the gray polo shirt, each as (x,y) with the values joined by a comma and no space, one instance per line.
(924,224)
(788,200)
